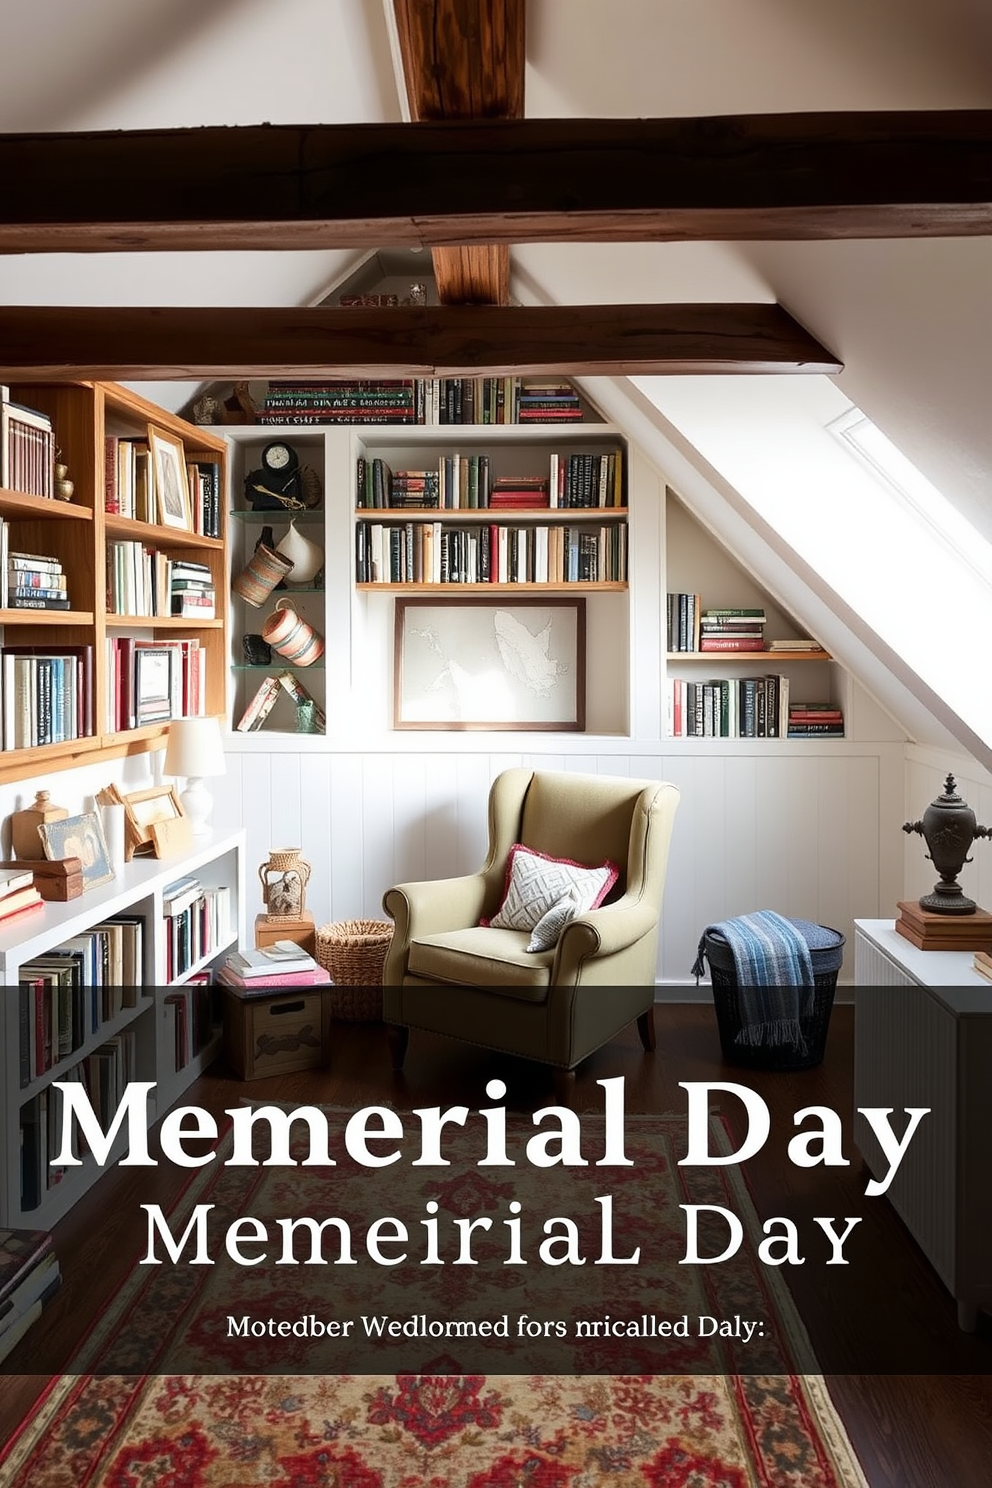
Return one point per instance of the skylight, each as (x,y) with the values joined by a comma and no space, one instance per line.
(889,463)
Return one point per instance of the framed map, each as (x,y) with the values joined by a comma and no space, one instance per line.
(475,664)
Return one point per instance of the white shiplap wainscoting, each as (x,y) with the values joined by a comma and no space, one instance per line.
(808,834)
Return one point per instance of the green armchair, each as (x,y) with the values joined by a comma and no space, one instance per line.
(448,974)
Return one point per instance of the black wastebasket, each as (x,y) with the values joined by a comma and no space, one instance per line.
(826,949)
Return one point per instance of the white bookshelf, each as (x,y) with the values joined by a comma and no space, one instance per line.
(216,860)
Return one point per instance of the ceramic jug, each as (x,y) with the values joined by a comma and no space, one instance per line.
(306,557)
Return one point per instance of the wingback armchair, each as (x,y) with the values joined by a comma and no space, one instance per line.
(448,973)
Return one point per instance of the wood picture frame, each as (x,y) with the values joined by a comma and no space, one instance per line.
(170,479)
(154,819)
(476,663)
(80,837)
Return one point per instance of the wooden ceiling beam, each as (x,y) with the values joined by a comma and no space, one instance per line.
(465,59)
(49,343)
(501,181)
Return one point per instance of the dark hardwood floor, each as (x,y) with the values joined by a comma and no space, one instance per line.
(915,1430)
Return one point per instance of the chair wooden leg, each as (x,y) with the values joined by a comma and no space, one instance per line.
(645,1027)
(564,1086)
(398,1038)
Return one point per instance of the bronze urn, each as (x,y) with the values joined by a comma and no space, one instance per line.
(949,828)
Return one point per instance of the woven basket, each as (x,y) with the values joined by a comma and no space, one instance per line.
(354,952)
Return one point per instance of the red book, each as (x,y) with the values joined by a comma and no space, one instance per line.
(731,643)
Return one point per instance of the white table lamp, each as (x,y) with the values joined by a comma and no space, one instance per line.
(196,751)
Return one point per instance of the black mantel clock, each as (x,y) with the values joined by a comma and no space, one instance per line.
(276,485)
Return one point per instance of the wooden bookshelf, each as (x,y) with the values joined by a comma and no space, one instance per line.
(83,415)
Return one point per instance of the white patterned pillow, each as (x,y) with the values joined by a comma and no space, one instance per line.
(549,927)
(536,882)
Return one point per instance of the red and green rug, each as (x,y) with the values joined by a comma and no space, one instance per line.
(201,1413)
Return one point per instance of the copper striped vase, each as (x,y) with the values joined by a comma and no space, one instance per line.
(293,637)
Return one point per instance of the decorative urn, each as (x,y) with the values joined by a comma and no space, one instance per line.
(948,828)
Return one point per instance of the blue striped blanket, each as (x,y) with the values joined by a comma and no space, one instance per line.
(774,977)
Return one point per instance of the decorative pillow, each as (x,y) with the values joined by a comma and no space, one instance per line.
(549,927)
(536,882)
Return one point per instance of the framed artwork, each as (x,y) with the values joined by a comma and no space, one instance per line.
(80,837)
(475,664)
(170,479)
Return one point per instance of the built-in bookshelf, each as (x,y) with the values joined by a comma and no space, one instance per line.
(67,671)
(738,666)
(89,997)
(485,510)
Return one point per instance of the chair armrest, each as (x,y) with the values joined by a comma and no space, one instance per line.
(426,908)
(601,932)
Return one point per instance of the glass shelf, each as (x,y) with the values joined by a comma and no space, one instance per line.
(277,664)
(279,518)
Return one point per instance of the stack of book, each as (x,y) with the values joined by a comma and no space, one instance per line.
(519,493)
(282,964)
(18,895)
(35,581)
(29,1276)
(192,589)
(543,402)
(732,629)
(930,931)
(820,719)
(204,495)
(795,643)
(385,401)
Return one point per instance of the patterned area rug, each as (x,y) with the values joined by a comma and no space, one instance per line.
(187,1406)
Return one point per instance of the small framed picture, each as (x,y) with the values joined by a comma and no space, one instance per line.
(170,479)
(80,837)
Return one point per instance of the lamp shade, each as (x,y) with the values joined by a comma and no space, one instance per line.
(195,748)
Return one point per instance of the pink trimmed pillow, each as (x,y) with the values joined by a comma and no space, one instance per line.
(536,882)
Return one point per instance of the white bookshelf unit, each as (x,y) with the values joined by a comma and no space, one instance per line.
(138,890)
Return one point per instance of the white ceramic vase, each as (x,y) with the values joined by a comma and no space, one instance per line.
(306,557)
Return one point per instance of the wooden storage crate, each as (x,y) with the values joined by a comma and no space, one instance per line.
(276,1033)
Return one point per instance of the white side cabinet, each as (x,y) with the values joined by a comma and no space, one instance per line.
(147,1019)
(923,1037)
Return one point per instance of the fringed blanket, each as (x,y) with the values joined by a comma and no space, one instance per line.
(774,977)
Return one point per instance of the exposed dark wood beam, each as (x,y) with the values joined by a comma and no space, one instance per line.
(503,181)
(46,343)
(465,59)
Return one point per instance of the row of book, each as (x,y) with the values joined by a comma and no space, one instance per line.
(756,707)
(153,681)
(47,694)
(190,1010)
(32,581)
(130,490)
(70,993)
(497,553)
(269,691)
(197,922)
(466,483)
(30,1276)
(27,448)
(733,628)
(104,1073)
(145,581)
(423,400)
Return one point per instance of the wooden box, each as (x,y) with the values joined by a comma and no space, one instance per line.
(301,931)
(275,1033)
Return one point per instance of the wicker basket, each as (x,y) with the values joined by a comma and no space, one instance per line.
(826,951)
(354,952)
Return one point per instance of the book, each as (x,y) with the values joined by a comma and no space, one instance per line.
(12,879)
(730,643)
(280,957)
(260,706)
(20,1252)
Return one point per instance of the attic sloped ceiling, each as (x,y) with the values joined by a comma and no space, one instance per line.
(910,320)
